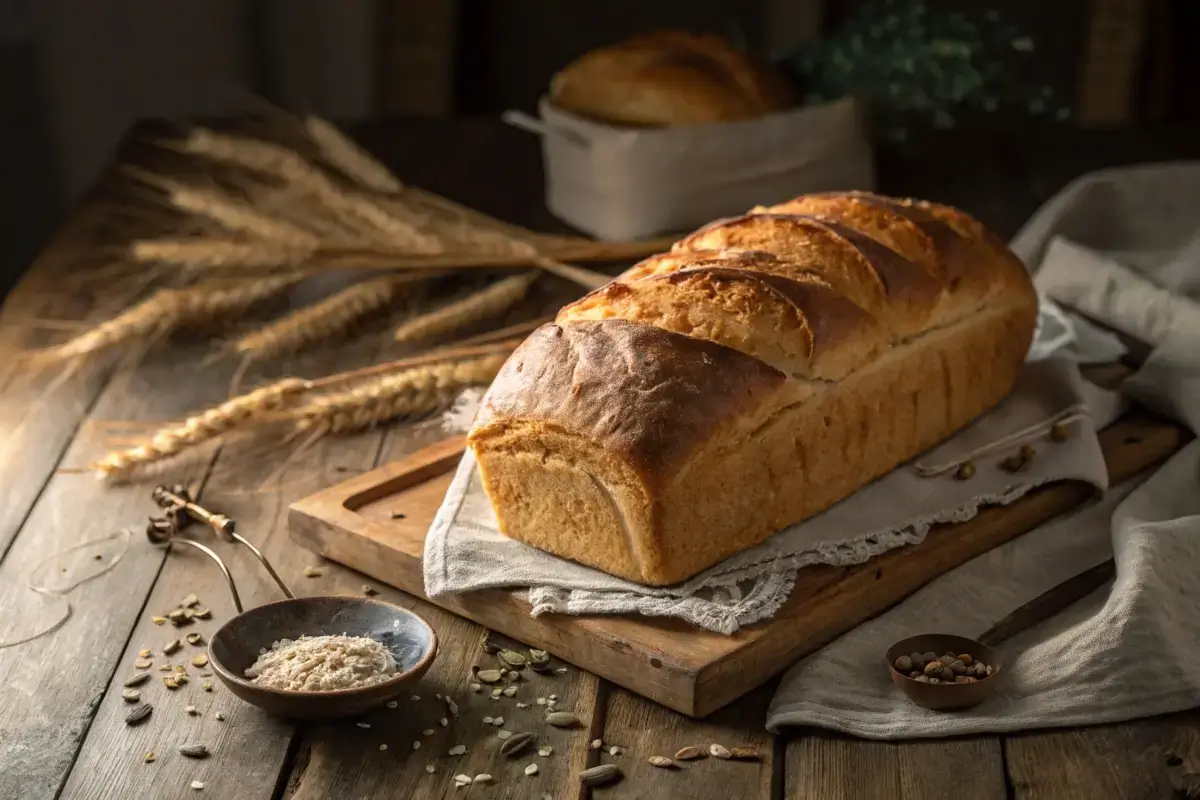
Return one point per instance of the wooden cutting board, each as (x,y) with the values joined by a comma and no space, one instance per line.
(686,669)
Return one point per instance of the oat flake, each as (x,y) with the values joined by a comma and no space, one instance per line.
(323,663)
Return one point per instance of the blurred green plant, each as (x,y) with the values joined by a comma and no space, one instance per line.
(918,67)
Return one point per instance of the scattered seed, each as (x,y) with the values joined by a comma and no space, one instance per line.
(382,747)
(369,590)
(531,769)
(416,745)
(597,744)
(427,732)
(600,774)
(457,750)
(511,691)
(512,659)
(363,724)
(538,659)
(689,754)
(545,751)
(181,669)
(131,695)
(195,638)
(392,704)
(1058,432)
(516,744)
(522,705)
(614,751)
(200,660)
(720,751)
(195,712)
(452,706)
(462,780)
(138,714)
(219,717)
(489,676)
(201,613)
(443,722)
(170,683)
(311,572)
(562,719)
(498,721)
(172,647)
(398,515)
(476,688)
(193,750)
(179,617)
(486,645)
(487,720)
(165,668)
(965,471)
(197,785)
(149,757)
(189,601)
(430,768)
(744,753)
(660,761)
(496,693)
(552,697)
(482,777)
(206,685)
(503,735)
(561,670)
(159,620)
(137,679)
(143,663)
(145,653)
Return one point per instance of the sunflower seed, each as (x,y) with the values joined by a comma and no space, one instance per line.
(512,659)
(482,777)
(462,780)
(457,750)
(614,751)
(545,752)
(689,754)
(562,719)
(489,675)
(511,691)
(660,761)
(744,753)
(137,679)
(131,695)
(531,769)
(516,744)
(718,750)
(600,774)
(139,714)
(143,663)
(193,750)
(172,647)
(197,785)
(159,620)
(195,638)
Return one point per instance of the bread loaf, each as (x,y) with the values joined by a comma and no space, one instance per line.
(668,78)
(764,369)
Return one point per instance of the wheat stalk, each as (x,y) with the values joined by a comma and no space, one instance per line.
(166,310)
(344,153)
(170,441)
(487,302)
(412,392)
(207,253)
(322,320)
(238,216)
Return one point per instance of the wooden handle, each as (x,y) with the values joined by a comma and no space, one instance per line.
(1049,603)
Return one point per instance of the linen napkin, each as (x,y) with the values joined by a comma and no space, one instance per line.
(464,550)
(1122,246)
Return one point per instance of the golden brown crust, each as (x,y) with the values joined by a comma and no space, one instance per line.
(668,78)
(764,369)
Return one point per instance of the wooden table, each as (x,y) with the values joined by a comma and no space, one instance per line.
(61,729)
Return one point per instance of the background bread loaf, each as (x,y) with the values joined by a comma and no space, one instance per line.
(669,78)
(764,369)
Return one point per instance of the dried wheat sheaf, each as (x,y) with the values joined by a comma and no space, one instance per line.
(487,302)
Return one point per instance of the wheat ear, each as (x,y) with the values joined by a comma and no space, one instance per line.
(322,320)
(205,253)
(412,392)
(353,161)
(487,302)
(170,441)
(166,310)
(238,216)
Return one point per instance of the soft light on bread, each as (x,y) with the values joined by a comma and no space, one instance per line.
(668,78)
(767,367)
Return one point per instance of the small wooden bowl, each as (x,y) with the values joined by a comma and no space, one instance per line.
(945,696)
(236,645)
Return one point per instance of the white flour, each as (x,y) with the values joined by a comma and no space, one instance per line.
(322,664)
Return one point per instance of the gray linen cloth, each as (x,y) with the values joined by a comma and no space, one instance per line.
(1123,247)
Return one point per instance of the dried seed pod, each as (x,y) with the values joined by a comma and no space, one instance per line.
(719,751)
(660,761)
(131,695)
(744,753)
(965,471)
(138,715)
(600,775)
(489,675)
(1058,432)
(137,679)
(516,744)
(193,750)
(512,659)
(562,719)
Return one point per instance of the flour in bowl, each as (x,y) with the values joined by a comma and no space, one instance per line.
(322,664)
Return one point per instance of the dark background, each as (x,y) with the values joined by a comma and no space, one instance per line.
(74,75)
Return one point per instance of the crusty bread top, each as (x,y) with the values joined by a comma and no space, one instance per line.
(770,302)
(668,78)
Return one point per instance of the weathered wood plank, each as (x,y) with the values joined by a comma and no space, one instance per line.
(49,688)
(822,765)
(1151,758)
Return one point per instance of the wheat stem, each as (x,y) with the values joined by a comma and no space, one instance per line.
(487,302)
(354,162)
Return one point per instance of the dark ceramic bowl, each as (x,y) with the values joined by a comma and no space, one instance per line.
(945,696)
(236,645)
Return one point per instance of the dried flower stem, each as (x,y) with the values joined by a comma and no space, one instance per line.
(344,153)
(412,392)
(492,300)
(203,427)
(164,311)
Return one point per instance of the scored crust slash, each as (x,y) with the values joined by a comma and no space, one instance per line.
(765,368)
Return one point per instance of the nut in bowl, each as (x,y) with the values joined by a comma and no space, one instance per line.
(943,672)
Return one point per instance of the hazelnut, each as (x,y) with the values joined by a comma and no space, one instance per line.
(946,661)
(933,668)
(904,664)
(958,667)
(965,471)
(966,659)
(929,656)
(917,659)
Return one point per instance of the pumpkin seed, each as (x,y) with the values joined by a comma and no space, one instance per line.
(146,653)
(516,743)
(489,675)
(720,751)
(170,683)
(513,659)
(539,660)
(562,719)
(600,774)
(172,646)
(143,663)
(159,620)
(200,660)
(531,769)
(689,754)
(137,679)
(660,761)
(201,613)
(195,638)
(131,695)
(139,714)
(193,750)
(744,753)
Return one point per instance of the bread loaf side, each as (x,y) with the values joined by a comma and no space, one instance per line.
(764,369)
